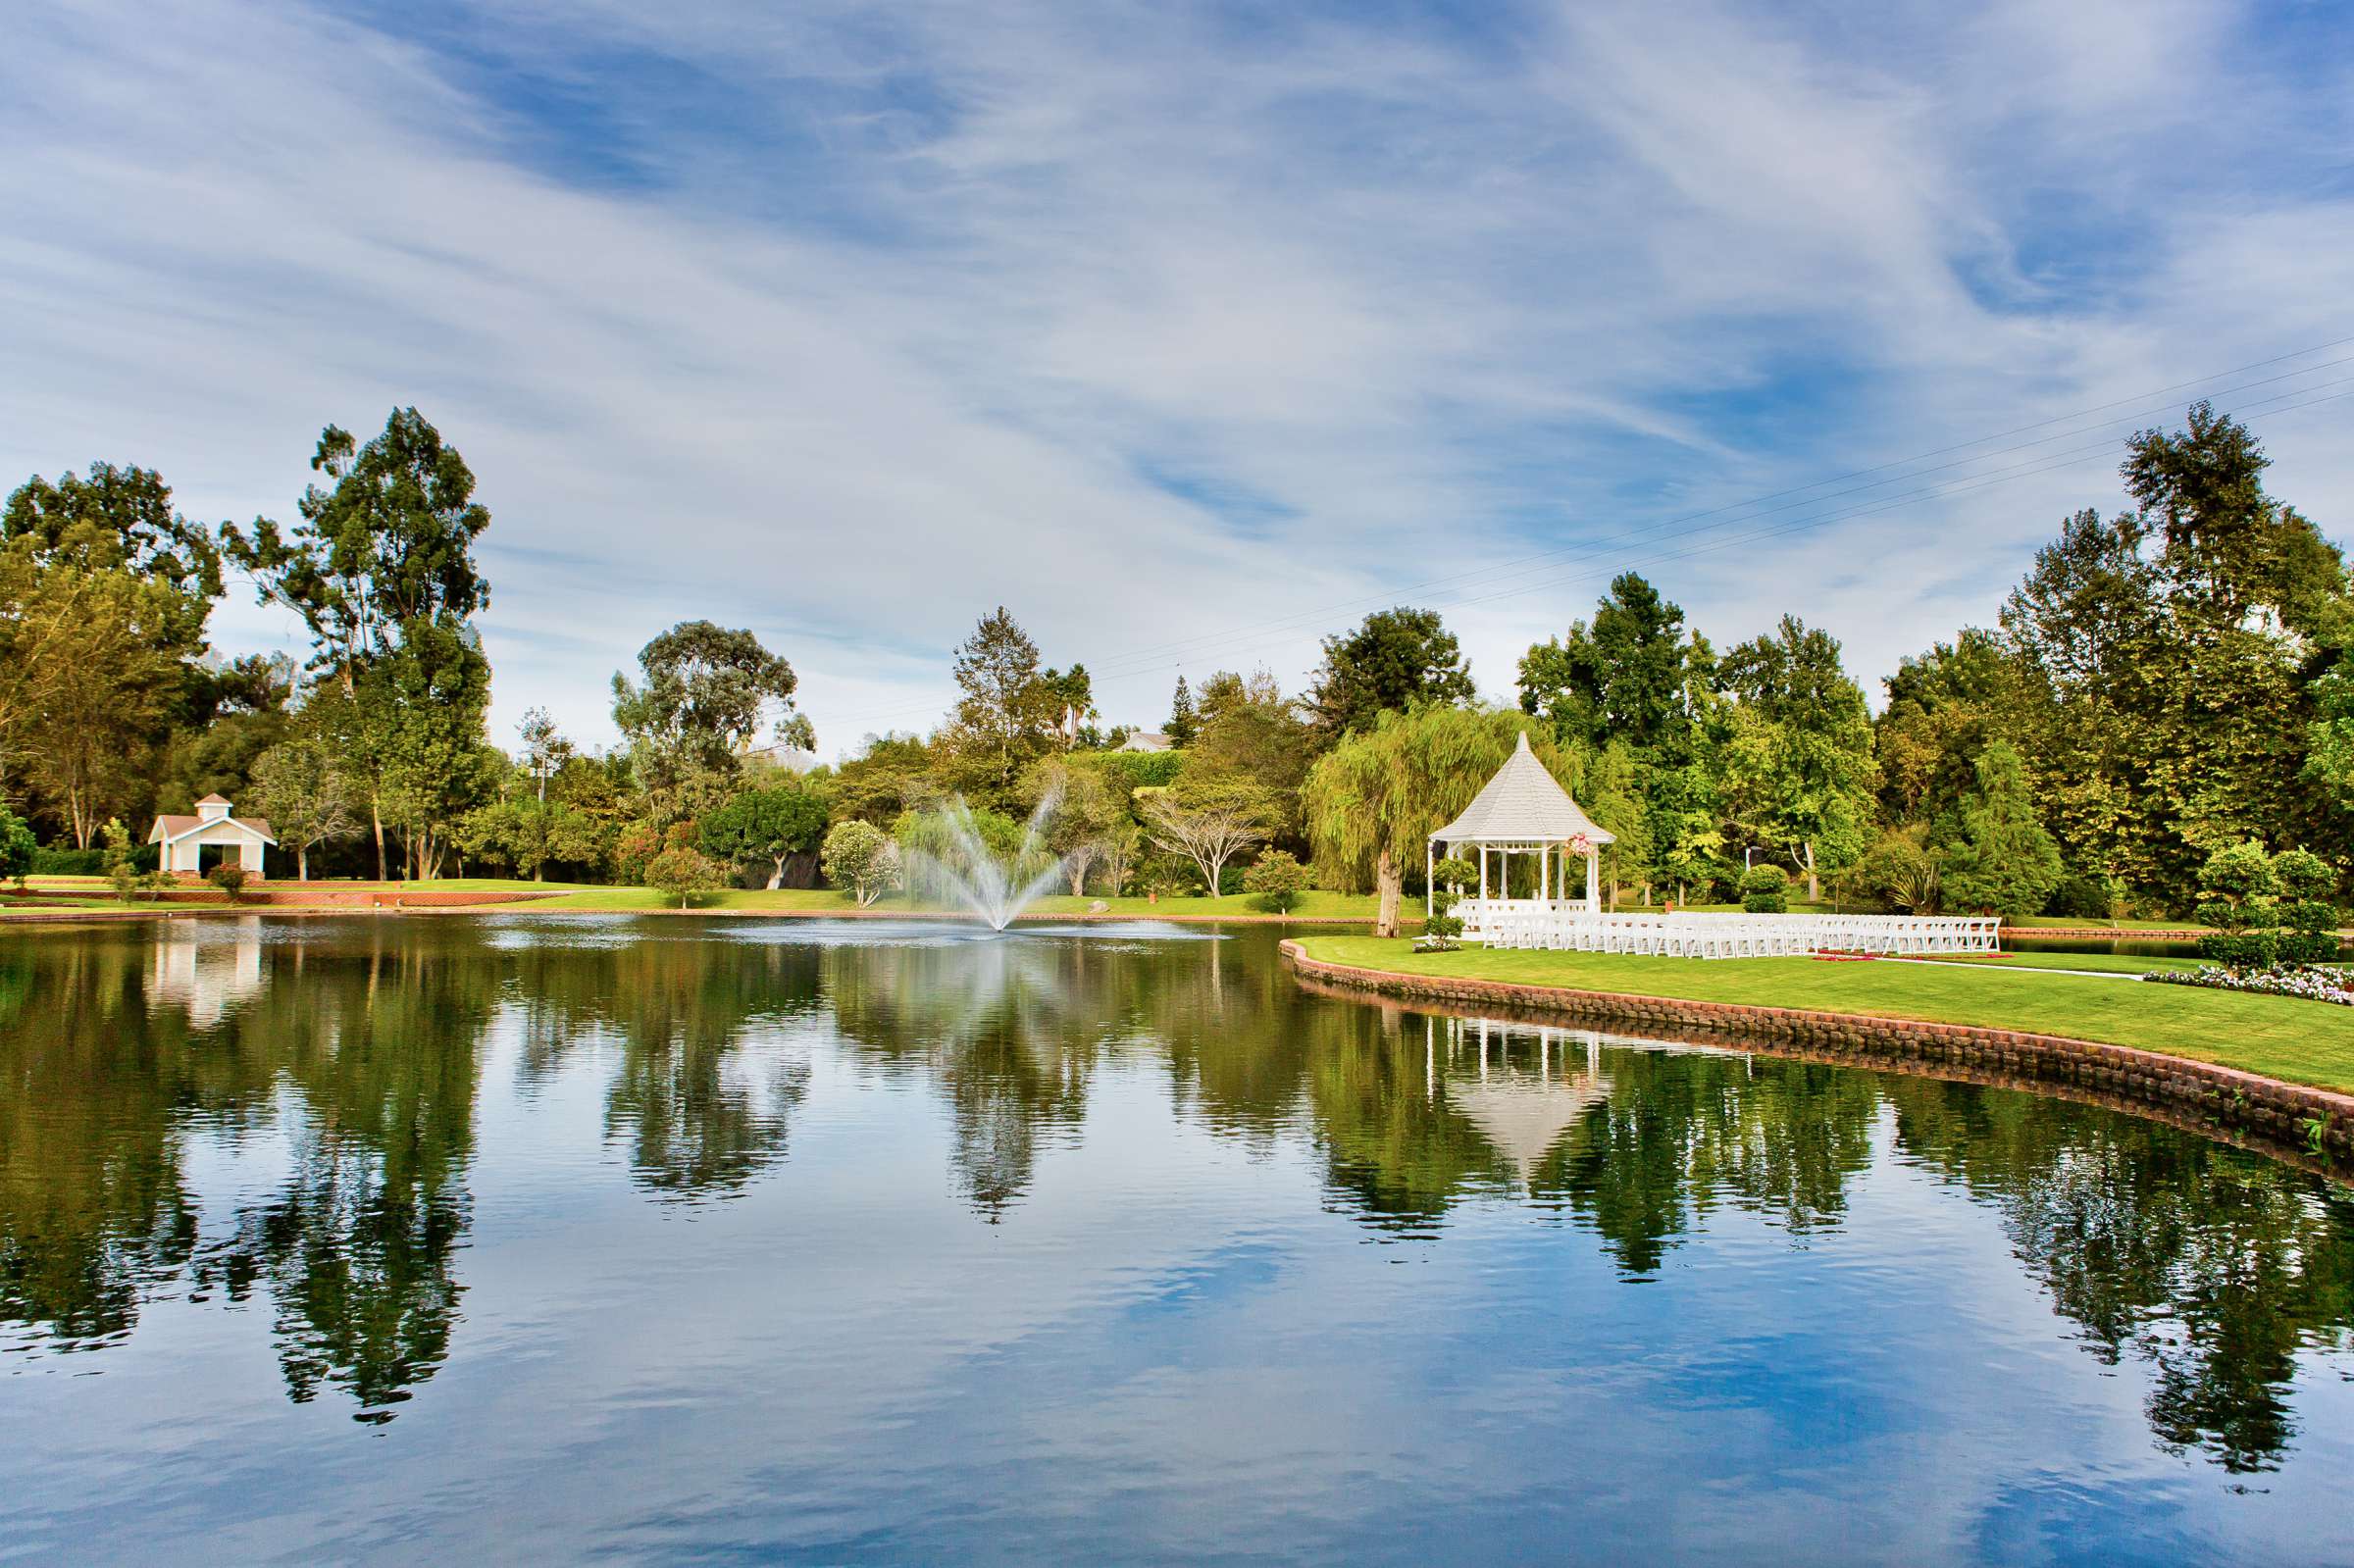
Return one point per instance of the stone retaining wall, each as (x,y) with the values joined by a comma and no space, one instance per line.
(2199,1094)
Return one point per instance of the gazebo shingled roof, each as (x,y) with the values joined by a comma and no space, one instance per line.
(1523,804)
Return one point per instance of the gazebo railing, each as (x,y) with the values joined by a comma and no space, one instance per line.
(1568,925)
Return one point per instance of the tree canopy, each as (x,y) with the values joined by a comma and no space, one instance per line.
(1396,660)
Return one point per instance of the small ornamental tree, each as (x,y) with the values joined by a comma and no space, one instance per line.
(771,824)
(1278,878)
(1208,820)
(119,869)
(229,878)
(861,860)
(2238,881)
(2308,919)
(298,787)
(2303,876)
(1765,891)
(1445,928)
(684,875)
(2237,872)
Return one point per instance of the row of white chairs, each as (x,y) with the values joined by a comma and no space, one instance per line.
(1531,924)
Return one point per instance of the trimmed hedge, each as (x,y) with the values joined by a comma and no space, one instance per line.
(62,860)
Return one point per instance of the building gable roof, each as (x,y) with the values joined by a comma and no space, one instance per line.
(167,829)
(1523,804)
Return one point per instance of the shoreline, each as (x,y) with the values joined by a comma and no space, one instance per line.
(2227,1102)
(503,905)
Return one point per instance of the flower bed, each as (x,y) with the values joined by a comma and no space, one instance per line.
(2316,983)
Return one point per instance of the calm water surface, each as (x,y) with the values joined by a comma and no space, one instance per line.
(687,1241)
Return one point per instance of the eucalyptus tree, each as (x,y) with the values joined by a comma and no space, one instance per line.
(706,694)
(381,572)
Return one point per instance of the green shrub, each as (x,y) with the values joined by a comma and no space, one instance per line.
(17,848)
(1440,931)
(1765,891)
(59,860)
(2237,872)
(1131,771)
(2307,915)
(229,878)
(2302,875)
(1278,878)
(2241,950)
(2307,946)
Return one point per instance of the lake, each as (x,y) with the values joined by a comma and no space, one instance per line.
(684,1241)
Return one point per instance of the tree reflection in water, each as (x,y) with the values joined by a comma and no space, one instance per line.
(700,1115)
(357,1050)
(1007,1028)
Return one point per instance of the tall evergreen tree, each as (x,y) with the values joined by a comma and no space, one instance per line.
(2003,860)
(1011,714)
(1183,719)
(1396,660)
(1626,676)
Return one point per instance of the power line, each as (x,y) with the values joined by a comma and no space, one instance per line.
(1154,650)
(1163,657)
(1210,643)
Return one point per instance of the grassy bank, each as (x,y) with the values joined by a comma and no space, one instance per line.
(2301,1042)
(825,900)
(94,892)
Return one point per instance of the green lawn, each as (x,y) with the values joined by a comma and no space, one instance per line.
(591,897)
(2306,1042)
(1315,907)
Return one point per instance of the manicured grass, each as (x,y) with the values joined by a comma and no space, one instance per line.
(2302,1041)
(1313,906)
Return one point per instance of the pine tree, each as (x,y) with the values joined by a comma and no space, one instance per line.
(1184,721)
(2006,861)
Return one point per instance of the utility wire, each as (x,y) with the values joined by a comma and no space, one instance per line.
(1161,658)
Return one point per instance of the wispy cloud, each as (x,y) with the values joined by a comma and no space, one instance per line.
(1159,322)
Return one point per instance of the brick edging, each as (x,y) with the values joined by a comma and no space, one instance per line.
(2200,1094)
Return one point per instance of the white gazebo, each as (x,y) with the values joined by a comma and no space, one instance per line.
(242,840)
(1523,811)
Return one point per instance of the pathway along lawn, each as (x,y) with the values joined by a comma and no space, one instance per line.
(2280,1037)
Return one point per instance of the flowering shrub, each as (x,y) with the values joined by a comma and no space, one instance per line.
(2315,983)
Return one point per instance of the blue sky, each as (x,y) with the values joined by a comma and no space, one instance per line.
(1187,333)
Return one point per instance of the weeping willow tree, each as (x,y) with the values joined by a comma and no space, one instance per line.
(1373,800)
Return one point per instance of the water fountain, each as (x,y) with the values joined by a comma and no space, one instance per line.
(975,875)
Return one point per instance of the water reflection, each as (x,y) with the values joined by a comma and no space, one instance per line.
(346,1063)
(701,1105)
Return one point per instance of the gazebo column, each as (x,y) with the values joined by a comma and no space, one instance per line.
(1593,881)
(1545,873)
(1430,907)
